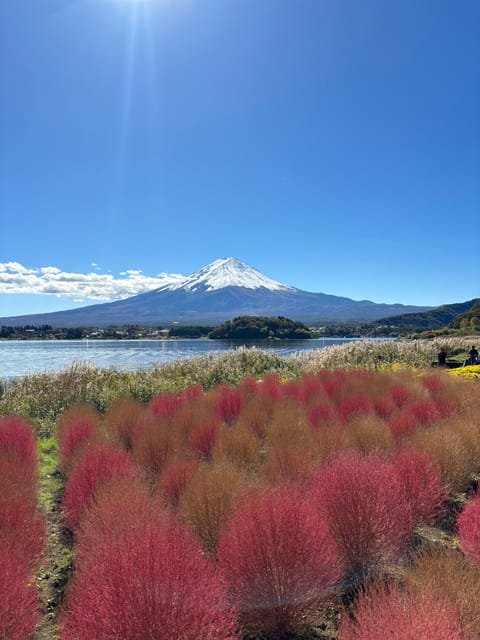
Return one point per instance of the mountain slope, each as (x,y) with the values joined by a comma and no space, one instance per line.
(220,291)
(437,318)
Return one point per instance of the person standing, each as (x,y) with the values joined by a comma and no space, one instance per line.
(473,353)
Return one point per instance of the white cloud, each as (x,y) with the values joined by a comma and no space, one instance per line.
(15,278)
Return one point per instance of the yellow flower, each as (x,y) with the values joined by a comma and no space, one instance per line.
(471,372)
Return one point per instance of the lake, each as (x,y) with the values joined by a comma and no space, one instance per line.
(23,357)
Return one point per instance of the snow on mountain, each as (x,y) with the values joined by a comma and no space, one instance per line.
(225,272)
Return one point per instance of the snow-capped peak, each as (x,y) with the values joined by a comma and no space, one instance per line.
(226,272)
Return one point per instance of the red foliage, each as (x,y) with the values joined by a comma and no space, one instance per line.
(366,510)
(17,441)
(421,481)
(270,386)
(150,581)
(203,437)
(96,467)
(293,389)
(18,479)
(389,612)
(22,528)
(433,384)
(399,394)
(73,439)
(332,381)
(468,524)
(193,393)
(228,404)
(166,405)
(402,425)
(248,386)
(383,408)
(18,597)
(319,415)
(425,412)
(279,561)
(174,478)
(355,405)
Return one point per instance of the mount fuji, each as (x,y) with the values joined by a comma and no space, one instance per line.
(223,289)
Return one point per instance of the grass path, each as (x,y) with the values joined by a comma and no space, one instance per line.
(55,568)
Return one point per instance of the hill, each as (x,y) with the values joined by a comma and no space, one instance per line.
(438,318)
(259,328)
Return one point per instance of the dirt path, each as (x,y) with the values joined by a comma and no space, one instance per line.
(55,568)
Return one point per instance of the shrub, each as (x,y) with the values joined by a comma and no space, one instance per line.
(17,441)
(319,415)
(256,416)
(75,437)
(123,421)
(368,433)
(155,446)
(468,523)
(279,562)
(447,450)
(288,463)
(383,408)
(166,405)
(174,479)
(208,500)
(18,479)
(425,412)
(80,412)
(203,437)
(399,394)
(18,597)
(353,406)
(228,404)
(447,574)
(421,482)
(366,511)
(401,425)
(98,466)
(116,506)
(22,528)
(238,446)
(151,581)
(390,612)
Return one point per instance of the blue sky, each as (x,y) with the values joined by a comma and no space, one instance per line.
(332,144)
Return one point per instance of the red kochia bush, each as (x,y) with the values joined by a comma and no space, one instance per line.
(421,481)
(355,405)
(203,437)
(17,441)
(388,612)
(228,404)
(468,523)
(18,479)
(166,405)
(18,597)
(97,467)
(150,581)
(366,511)
(22,528)
(279,562)
(174,478)
(73,439)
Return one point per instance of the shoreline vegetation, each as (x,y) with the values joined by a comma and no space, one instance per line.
(42,397)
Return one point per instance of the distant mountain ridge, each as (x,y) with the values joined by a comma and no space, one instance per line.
(220,291)
(437,318)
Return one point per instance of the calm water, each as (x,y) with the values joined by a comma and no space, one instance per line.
(20,357)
